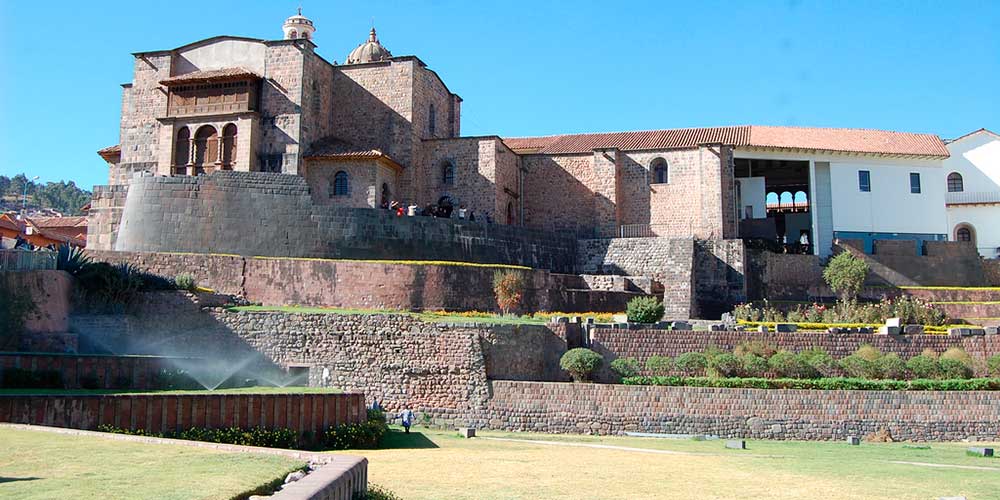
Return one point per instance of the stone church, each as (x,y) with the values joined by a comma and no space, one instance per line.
(380,127)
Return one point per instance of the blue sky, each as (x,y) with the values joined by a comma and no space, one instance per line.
(534,68)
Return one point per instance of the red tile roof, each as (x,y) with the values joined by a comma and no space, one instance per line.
(111,153)
(213,75)
(860,141)
(51,222)
(333,148)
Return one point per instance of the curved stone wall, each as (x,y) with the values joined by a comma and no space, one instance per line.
(254,213)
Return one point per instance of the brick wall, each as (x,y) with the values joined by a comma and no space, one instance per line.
(209,214)
(744,413)
(641,344)
(308,414)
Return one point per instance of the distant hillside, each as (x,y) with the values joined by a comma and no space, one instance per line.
(63,197)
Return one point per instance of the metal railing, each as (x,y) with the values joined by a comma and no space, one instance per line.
(27,260)
(979,197)
(642,230)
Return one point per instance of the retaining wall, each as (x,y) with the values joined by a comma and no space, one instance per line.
(308,414)
(745,413)
(255,213)
(90,371)
(371,285)
(49,291)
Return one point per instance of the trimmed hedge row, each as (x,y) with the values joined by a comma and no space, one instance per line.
(833,383)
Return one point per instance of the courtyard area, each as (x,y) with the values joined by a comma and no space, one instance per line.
(36,465)
(432,464)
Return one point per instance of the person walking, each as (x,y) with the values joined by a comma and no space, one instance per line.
(406,416)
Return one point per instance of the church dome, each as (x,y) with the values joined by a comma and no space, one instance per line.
(370,51)
(298,26)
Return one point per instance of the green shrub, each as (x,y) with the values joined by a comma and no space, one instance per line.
(993,364)
(816,362)
(959,354)
(952,368)
(724,365)
(838,383)
(923,366)
(891,367)
(376,492)
(644,310)
(752,365)
(691,363)
(185,281)
(785,364)
(846,274)
(625,367)
(858,366)
(755,347)
(244,436)
(868,352)
(366,435)
(71,259)
(581,363)
(659,365)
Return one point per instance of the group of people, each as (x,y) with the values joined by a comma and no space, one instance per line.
(443,209)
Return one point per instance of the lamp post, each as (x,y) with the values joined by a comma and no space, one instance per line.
(24,196)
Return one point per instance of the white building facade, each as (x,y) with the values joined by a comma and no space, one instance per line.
(972,185)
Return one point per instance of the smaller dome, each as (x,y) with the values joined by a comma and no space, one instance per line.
(370,51)
(298,26)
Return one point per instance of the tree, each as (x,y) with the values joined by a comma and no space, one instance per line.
(846,275)
(508,286)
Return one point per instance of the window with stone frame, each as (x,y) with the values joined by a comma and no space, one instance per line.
(228,146)
(659,171)
(963,234)
(431,118)
(340,185)
(955,183)
(448,173)
(182,151)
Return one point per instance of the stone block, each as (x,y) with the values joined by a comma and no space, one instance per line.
(853,440)
(889,330)
(619,318)
(467,432)
(717,328)
(897,322)
(736,444)
(955,332)
(785,328)
(913,330)
(992,330)
(833,330)
(979,452)
(865,329)
(762,329)
(681,325)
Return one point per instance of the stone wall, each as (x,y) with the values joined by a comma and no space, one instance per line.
(253,213)
(308,414)
(90,371)
(719,276)
(375,285)
(739,413)
(641,344)
(992,269)
(49,291)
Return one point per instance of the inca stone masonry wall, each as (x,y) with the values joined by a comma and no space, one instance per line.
(253,213)
(373,285)
(745,413)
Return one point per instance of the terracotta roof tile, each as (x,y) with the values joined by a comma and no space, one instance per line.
(111,153)
(333,148)
(51,222)
(861,141)
(212,75)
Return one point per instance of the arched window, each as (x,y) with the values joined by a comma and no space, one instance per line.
(386,194)
(293,34)
(660,171)
(447,173)
(182,151)
(801,199)
(955,184)
(341,187)
(786,199)
(964,232)
(431,118)
(305,34)
(228,146)
(510,213)
(206,148)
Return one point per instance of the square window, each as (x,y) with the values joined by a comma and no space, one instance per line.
(864,181)
(914,183)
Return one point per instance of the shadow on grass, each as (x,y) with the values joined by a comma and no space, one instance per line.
(400,440)
(13,479)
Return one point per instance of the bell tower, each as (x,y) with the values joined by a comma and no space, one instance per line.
(298,26)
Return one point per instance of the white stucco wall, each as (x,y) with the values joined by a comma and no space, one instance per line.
(977,158)
(222,54)
(753,194)
(889,207)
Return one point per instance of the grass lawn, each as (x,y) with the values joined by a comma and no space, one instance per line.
(42,465)
(240,390)
(433,464)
